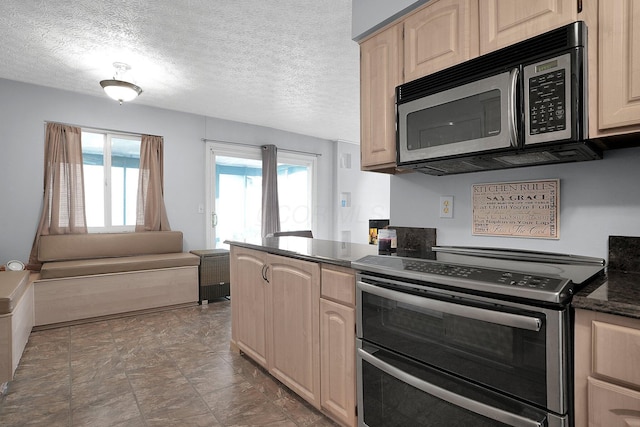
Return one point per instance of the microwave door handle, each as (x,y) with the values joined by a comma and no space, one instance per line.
(498,317)
(448,396)
(513,111)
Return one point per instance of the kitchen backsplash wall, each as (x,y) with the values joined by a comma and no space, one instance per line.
(597,199)
(624,253)
(415,242)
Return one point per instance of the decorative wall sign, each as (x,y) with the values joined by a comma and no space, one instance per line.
(528,209)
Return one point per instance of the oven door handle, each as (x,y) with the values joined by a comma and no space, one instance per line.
(498,317)
(448,396)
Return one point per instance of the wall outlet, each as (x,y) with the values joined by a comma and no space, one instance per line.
(446,207)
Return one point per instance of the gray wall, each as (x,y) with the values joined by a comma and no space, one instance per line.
(369,197)
(24,108)
(597,199)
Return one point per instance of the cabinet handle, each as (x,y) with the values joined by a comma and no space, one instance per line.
(265,269)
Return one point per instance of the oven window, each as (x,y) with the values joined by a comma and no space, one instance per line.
(502,357)
(388,401)
(466,119)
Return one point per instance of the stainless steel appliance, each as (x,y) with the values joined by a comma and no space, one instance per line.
(477,336)
(523,105)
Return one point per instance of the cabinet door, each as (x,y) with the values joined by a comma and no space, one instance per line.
(380,73)
(442,34)
(294,320)
(505,22)
(615,352)
(612,406)
(619,64)
(338,370)
(248,303)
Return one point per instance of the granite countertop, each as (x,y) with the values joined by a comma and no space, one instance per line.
(616,293)
(316,250)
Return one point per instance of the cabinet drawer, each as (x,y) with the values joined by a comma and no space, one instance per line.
(616,352)
(612,406)
(339,284)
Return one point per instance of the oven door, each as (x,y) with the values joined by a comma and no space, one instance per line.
(521,351)
(396,391)
(471,118)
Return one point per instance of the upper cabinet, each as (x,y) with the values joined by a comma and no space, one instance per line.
(380,73)
(505,22)
(441,35)
(619,65)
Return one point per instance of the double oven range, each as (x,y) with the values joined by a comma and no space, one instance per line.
(475,337)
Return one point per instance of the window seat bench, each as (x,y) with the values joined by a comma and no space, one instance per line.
(88,276)
(16,320)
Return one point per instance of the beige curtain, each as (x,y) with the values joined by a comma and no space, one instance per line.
(63,201)
(270,205)
(151,214)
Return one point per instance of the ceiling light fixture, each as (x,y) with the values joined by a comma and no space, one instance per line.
(118,89)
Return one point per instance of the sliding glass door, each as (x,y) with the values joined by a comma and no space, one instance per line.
(234,192)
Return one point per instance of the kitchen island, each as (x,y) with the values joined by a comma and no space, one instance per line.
(293,312)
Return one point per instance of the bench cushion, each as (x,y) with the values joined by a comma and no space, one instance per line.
(13,284)
(65,247)
(87,267)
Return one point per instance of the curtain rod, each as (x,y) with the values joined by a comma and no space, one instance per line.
(90,128)
(256,146)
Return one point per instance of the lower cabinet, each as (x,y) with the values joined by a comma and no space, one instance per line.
(612,406)
(293,325)
(607,370)
(275,303)
(297,319)
(249,303)
(337,344)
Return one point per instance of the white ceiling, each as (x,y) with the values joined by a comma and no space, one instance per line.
(285,64)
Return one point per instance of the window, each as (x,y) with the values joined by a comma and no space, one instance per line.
(111,163)
(237,193)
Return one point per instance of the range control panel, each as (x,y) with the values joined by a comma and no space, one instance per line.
(482,274)
(468,278)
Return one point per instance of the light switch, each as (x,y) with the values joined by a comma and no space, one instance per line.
(446,207)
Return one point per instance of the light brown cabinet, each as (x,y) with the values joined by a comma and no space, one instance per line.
(505,22)
(380,73)
(337,343)
(297,319)
(442,34)
(619,66)
(249,303)
(275,303)
(607,370)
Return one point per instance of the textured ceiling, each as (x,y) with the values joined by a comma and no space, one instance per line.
(285,64)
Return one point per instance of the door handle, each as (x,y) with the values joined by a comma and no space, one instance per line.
(503,318)
(513,110)
(455,399)
(214,219)
(265,268)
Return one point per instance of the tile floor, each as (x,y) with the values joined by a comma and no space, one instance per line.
(171,368)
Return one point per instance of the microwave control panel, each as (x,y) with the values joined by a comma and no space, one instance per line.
(548,100)
(547,109)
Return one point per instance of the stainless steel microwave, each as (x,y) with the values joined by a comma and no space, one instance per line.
(523,105)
